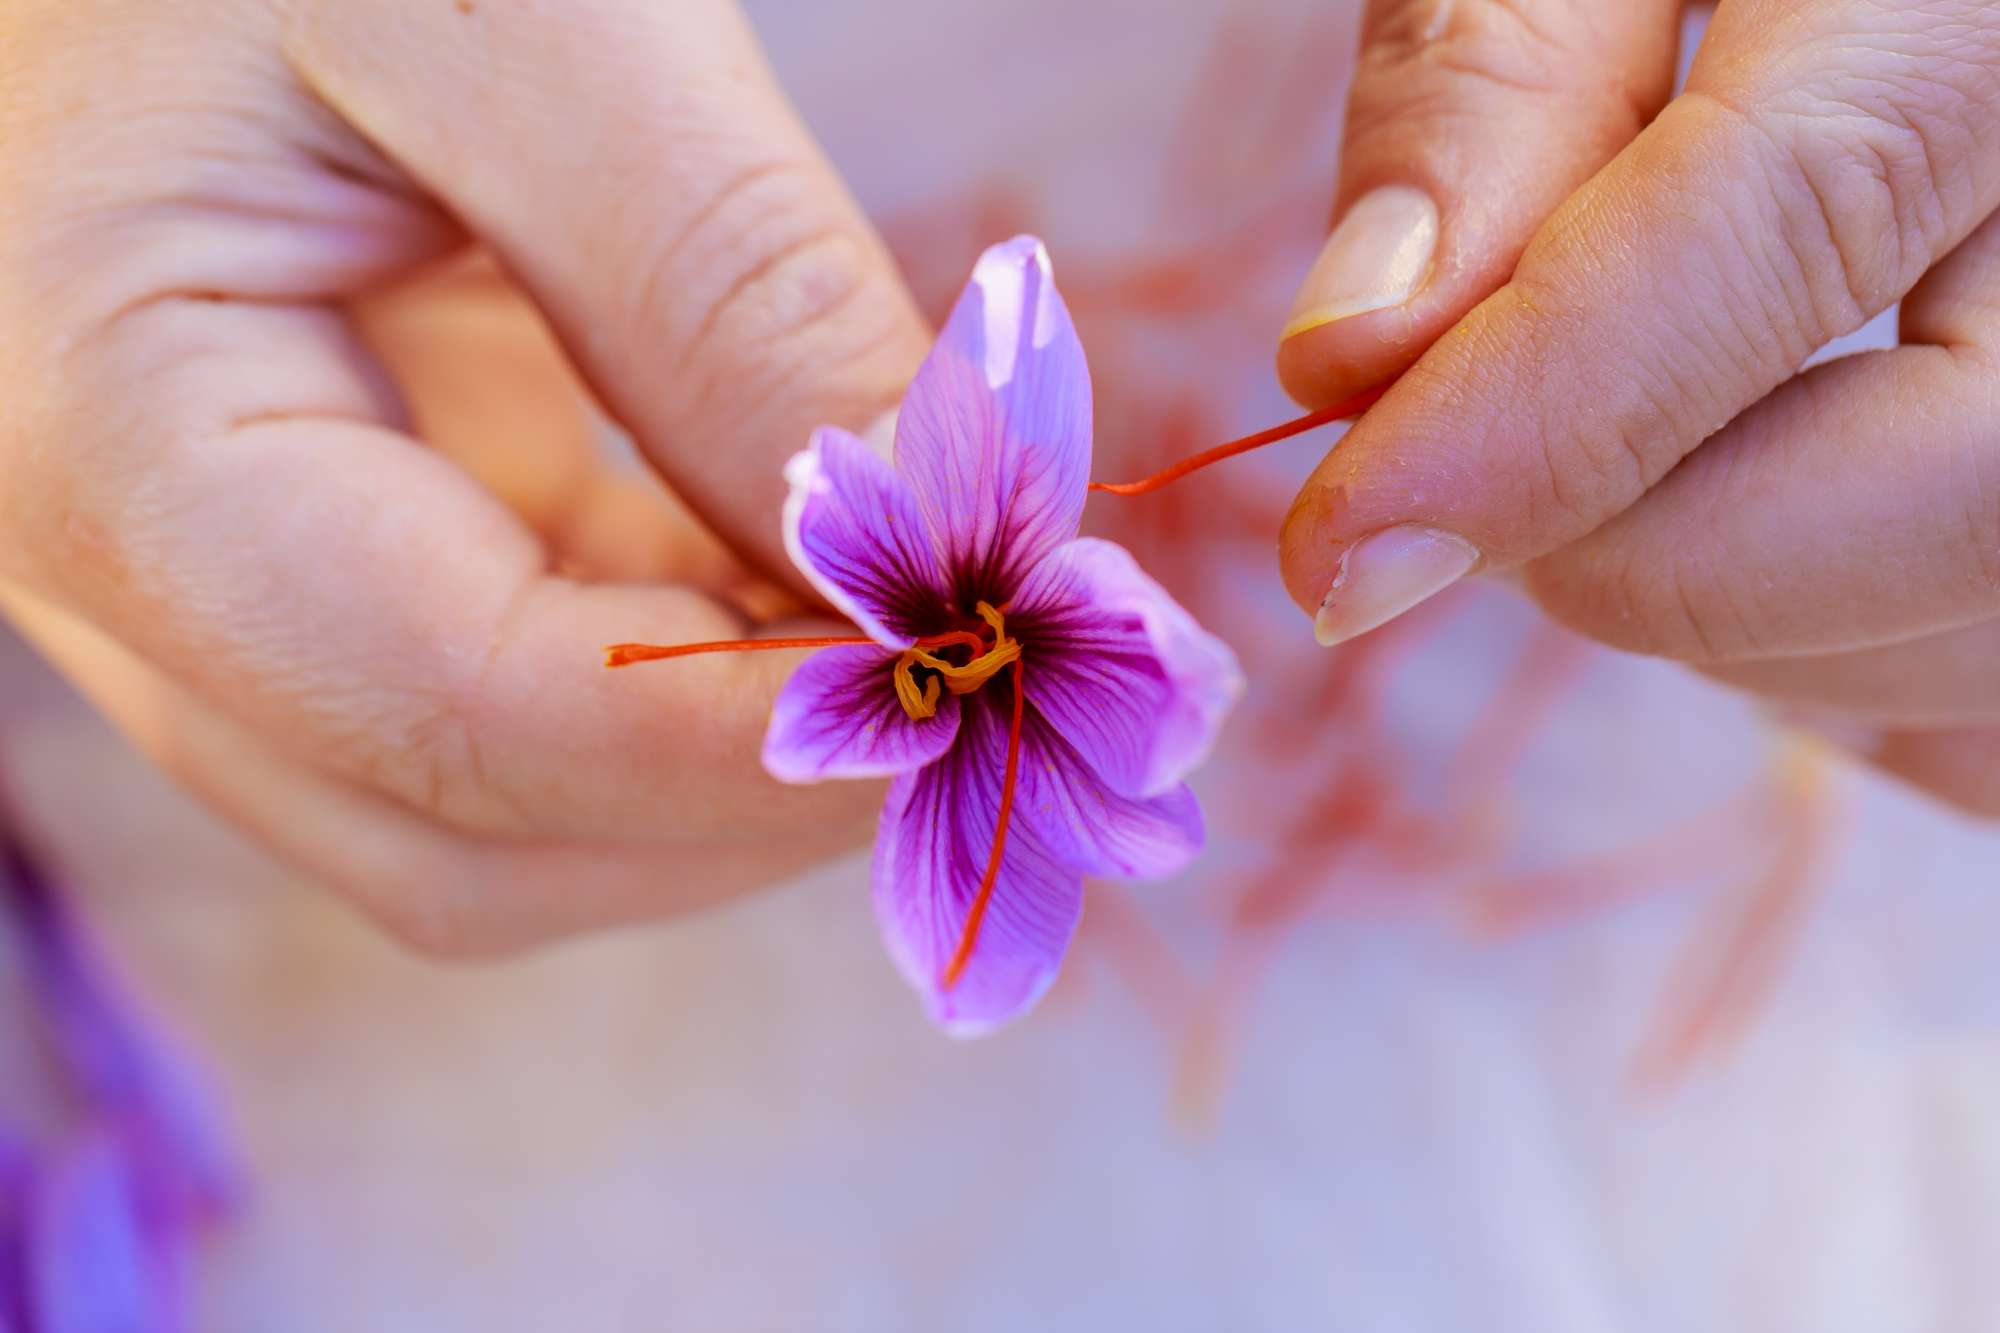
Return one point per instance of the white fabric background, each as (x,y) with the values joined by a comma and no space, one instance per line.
(742,1123)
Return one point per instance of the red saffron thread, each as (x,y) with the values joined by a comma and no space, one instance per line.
(625,654)
(1340,411)
(970,936)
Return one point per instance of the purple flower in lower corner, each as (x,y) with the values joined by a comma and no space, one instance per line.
(1036,698)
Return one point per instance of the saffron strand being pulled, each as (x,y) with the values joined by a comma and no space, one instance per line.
(970,935)
(1340,411)
(625,654)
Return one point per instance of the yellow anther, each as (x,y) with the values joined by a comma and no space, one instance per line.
(918,703)
(958,679)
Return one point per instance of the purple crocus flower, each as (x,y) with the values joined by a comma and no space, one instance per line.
(97,1230)
(1036,698)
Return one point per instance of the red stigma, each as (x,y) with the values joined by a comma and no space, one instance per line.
(973,918)
(1340,411)
(625,654)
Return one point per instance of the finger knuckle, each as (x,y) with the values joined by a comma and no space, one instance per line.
(1579,462)
(1496,40)
(790,278)
(1856,174)
(767,257)
(1432,52)
(1862,211)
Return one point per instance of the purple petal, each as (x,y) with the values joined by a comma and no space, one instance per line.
(1086,825)
(1120,669)
(113,1050)
(994,434)
(930,854)
(88,1263)
(853,528)
(16,1186)
(838,717)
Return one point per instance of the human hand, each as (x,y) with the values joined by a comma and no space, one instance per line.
(219,520)
(1600,329)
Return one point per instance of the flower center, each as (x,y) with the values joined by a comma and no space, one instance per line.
(919,697)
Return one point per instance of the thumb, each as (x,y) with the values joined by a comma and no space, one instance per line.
(1468,123)
(1812,172)
(637,168)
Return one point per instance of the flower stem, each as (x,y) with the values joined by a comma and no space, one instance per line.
(970,935)
(1340,411)
(625,654)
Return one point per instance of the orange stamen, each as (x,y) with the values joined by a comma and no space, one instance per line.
(988,661)
(1340,411)
(970,935)
(625,654)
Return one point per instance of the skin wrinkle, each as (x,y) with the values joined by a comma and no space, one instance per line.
(1850,264)
(1475,67)
(1766,334)
(348,136)
(721,394)
(794,283)
(1549,41)
(752,177)
(1625,469)
(1784,237)
(1467,41)
(1686,607)
(477,775)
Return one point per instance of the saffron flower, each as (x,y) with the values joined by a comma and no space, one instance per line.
(1035,697)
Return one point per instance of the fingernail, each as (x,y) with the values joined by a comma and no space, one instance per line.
(1383,575)
(1377,257)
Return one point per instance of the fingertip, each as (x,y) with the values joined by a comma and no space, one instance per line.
(1308,551)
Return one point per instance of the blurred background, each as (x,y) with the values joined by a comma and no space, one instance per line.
(1524,987)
